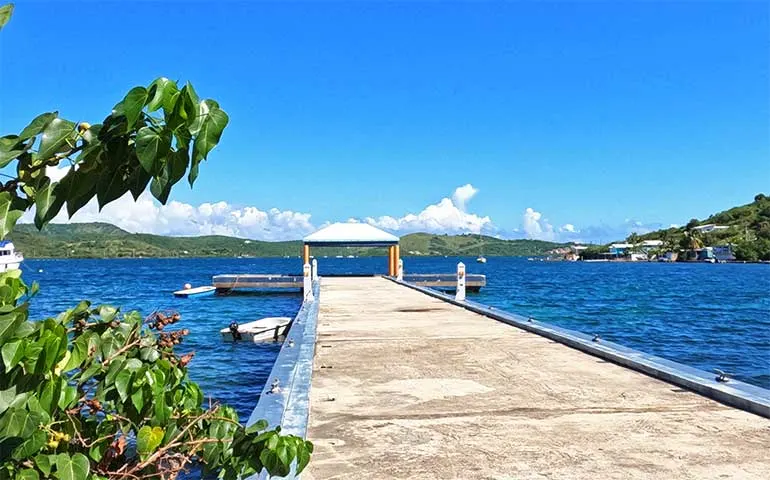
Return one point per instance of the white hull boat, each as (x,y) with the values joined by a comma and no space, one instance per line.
(270,329)
(10,259)
(195,292)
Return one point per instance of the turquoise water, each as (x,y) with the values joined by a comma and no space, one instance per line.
(707,316)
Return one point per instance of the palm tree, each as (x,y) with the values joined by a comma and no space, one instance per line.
(694,241)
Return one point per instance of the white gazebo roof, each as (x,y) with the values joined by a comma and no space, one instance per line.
(354,234)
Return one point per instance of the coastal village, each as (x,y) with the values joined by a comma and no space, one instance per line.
(740,234)
(652,250)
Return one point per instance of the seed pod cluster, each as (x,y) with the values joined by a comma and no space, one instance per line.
(93,405)
(159,320)
(168,340)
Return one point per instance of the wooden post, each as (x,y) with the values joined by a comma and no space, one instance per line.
(307,285)
(400,274)
(396,258)
(314,269)
(460,293)
(305,254)
(390,261)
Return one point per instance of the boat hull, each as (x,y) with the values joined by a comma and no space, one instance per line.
(195,292)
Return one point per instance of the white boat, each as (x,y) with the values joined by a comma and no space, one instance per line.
(10,259)
(270,329)
(482,259)
(195,292)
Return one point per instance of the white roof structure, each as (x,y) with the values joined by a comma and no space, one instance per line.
(353,234)
(652,243)
(710,228)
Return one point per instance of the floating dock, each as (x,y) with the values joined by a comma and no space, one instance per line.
(228,283)
(410,384)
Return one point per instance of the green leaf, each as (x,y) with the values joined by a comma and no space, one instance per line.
(10,211)
(113,183)
(303,455)
(68,396)
(138,181)
(6,397)
(8,324)
(12,353)
(48,202)
(148,440)
(28,473)
(121,384)
(49,397)
(151,146)
(177,165)
(18,422)
(75,467)
(132,105)
(161,187)
(58,136)
(7,156)
(137,398)
(78,188)
(5,14)
(37,125)
(257,426)
(164,89)
(77,355)
(208,136)
(30,446)
(44,462)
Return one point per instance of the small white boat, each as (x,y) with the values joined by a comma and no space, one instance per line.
(270,329)
(481,259)
(195,292)
(9,258)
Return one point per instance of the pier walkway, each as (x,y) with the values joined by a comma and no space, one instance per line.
(408,386)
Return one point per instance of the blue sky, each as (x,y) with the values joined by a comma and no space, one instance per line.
(596,115)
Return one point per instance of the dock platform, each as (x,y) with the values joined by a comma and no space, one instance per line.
(408,386)
(226,283)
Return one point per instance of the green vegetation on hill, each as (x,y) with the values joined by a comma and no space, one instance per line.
(748,232)
(100,240)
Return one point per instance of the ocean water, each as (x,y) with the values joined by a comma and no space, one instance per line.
(703,315)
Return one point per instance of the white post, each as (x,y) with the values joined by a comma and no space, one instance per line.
(460,294)
(400,275)
(315,269)
(307,286)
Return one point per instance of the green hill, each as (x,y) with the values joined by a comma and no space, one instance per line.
(102,240)
(748,231)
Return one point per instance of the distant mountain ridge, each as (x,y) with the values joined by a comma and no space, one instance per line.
(104,240)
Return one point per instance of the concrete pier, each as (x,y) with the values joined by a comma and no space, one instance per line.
(409,386)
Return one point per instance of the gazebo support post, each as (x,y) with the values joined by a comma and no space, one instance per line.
(396,257)
(305,254)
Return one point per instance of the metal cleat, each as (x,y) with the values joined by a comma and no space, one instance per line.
(722,376)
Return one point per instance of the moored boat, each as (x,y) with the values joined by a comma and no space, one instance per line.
(270,329)
(188,291)
(10,259)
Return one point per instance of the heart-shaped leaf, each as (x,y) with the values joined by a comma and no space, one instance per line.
(75,467)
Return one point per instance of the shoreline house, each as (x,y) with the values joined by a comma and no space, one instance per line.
(717,253)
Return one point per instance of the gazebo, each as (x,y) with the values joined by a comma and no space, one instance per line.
(353,235)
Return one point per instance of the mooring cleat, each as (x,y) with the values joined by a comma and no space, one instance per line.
(723,377)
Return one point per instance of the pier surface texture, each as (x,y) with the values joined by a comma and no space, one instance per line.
(408,386)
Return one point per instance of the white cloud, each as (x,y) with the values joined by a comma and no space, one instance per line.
(463,195)
(446,216)
(537,227)
(147,215)
(568,227)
